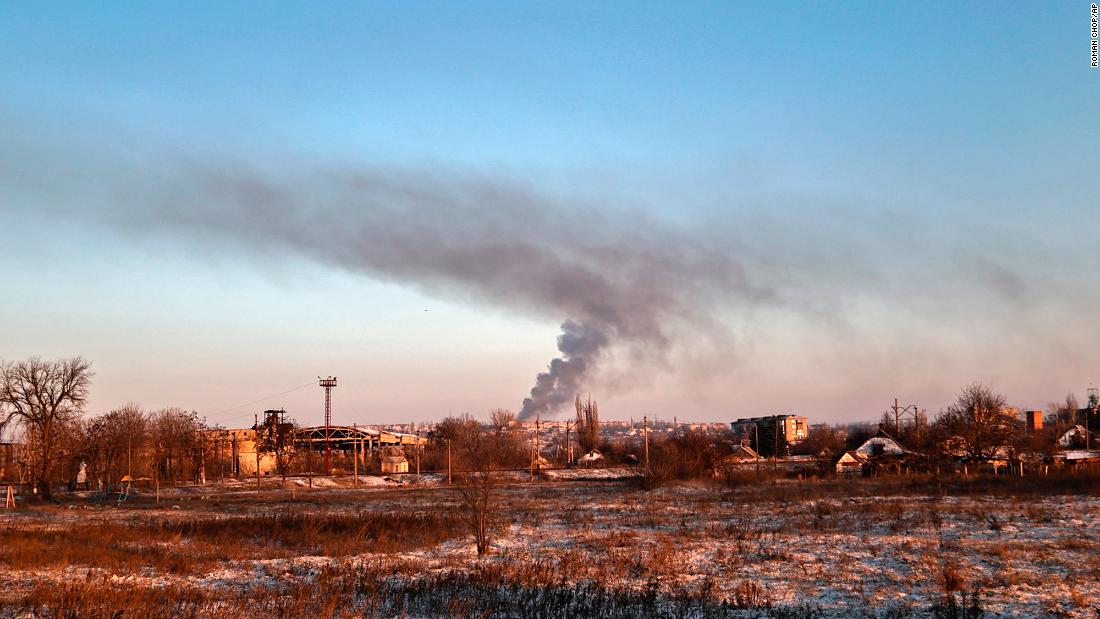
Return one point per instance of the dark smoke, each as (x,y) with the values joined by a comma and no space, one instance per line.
(580,345)
(620,280)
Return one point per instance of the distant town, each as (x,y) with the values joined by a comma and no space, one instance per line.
(125,448)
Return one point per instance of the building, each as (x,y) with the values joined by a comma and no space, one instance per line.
(1034,420)
(233,452)
(793,428)
(878,452)
(394,461)
(1076,437)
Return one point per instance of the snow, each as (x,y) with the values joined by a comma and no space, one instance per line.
(1029,557)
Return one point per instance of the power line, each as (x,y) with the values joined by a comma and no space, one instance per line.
(231,409)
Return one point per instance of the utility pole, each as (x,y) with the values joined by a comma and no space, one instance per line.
(256,442)
(1094,406)
(328,384)
(355,460)
(775,441)
(568,446)
(538,445)
(899,412)
(756,429)
(645,438)
(418,455)
(220,455)
(448,462)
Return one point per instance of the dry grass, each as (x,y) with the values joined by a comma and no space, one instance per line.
(781,548)
(195,544)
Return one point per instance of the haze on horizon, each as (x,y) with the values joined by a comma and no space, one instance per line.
(743,209)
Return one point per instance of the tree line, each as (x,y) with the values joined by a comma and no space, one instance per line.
(43,403)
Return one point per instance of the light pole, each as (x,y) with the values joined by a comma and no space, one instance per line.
(328,384)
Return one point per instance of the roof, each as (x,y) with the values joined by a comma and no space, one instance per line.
(1077,430)
(766,418)
(742,452)
(890,445)
(1079,454)
(316,434)
(851,457)
(591,456)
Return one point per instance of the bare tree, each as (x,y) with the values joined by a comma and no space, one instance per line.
(40,397)
(447,441)
(1065,413)
(506,439)
(821,439)
(501,419)
(478,492)
(478,489)
(588,424)
(276,436)
(174,435)
(979,422)
(480,453)
(116,439)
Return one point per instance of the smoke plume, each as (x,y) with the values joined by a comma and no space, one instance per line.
(821,282)
(580,345)
(618,280)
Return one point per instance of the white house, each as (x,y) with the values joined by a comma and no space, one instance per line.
(1074,436)
(854,462)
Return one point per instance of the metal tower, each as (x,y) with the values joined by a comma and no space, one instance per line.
(328,383)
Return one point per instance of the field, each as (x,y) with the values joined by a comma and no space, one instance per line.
(564,548)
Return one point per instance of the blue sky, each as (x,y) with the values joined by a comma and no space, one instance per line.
(926,170)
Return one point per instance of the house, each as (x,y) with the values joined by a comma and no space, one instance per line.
(1075,437)
(851,463)
(393,460)
(881,450)
(590,458)
(742,453)
(881,444)
(742,457)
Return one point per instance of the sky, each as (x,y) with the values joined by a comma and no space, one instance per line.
(728,209)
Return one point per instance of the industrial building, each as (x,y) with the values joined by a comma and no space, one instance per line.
(793,428)
(233,452)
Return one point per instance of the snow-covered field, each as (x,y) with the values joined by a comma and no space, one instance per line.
(685,550)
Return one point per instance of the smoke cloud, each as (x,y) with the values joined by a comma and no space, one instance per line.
(634,294)
(618,280)
(580,345)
